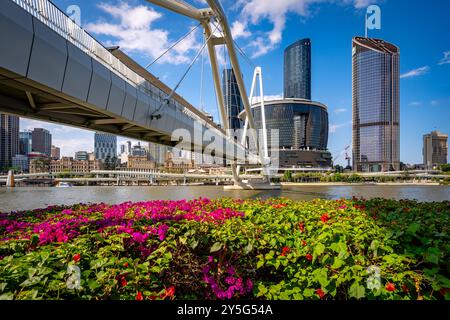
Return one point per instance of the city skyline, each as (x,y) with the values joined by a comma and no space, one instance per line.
(424,92)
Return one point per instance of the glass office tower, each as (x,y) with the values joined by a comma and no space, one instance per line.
(9,139)
(233,100)
(297,70)
(105,145)
(376,105)
(302,131)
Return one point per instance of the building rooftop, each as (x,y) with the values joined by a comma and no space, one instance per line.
(377,44)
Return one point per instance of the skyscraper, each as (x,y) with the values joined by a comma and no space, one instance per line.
(25,145)
(376,105)
(435,149)
(297,70)
(233,100)
(9,139)
(41,141)
(105,145)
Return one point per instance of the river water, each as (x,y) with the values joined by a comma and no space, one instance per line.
(39,197)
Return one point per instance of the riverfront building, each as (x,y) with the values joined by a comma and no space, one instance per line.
(41,141)
(302,132)
(25,145)
(9,139)
(376,105)
(297,70)
(435,149)
(105,145)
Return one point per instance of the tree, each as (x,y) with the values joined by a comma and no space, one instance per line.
(445,167)
(287,176)
(338,168)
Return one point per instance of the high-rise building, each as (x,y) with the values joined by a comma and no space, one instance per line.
(157,152)
(9,139)
(297,70)
(435,149)
(25,146)
(138,151)
(41,141)
(81,155)
(105,145)
(56,153)
(376,105)
(20,162)
(233,100)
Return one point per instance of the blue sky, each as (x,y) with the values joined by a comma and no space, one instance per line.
(263,28)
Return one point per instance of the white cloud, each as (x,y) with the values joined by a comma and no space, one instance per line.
(434,102)
(70,146)
(133,32)
(446,58)
(239,30)
(416,72)
(256,11)
(341,110)
(334,127)
(415,104)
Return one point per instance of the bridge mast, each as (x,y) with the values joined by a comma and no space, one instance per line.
(204,16)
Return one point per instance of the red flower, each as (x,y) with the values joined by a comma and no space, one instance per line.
(279,206)
(125,264)
(309,257)
(405,288)
(390,287)
(170,292)
(301,227)
(320,293)
(304,243)
(139,296)
(122,280)
(285,250)
(77,257)
(325,218)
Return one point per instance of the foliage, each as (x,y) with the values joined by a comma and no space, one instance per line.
(222,249)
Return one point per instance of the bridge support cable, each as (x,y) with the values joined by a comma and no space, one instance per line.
(168,97)
(173,46)
(206,16)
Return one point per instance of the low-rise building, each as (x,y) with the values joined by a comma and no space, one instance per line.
(68,164)
(140,162)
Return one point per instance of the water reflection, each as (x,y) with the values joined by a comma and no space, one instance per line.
(31,198)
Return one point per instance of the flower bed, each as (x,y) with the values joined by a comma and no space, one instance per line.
(228,249)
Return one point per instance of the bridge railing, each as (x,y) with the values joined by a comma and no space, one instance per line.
(49,14)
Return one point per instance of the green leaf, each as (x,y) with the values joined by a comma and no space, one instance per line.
(248,248)
(432,255)
(337,263)
(93,284)
(319,249)
(216,247)
(357,291)
(259,264)
(7,296)
(413,228)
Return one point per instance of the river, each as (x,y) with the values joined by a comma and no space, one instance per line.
(40,197)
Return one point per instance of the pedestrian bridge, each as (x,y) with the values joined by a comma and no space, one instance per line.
(53,70)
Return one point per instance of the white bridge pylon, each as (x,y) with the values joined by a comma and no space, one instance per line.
(215,13)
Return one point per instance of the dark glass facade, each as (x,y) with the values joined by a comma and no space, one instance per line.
(41,141)
(376,106)
(9,139)
(297,70)
(105,145)
(233,100)
(302,128)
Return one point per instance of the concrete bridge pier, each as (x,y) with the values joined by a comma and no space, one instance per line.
(10,180)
